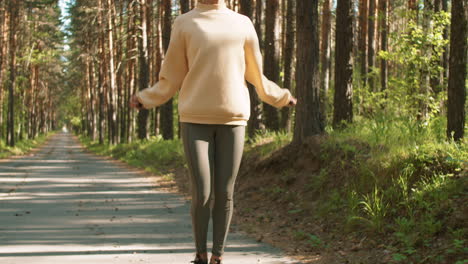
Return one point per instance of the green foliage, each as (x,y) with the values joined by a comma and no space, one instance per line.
(22,147)
(265,143)
(155,155)
(406,182)
(415,53)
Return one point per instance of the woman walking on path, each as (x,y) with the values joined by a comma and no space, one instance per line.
(212,51)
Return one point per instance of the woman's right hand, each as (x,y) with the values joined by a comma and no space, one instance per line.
(134,103)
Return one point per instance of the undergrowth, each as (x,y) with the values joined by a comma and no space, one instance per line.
(406,183)
(154,155)
(22,147)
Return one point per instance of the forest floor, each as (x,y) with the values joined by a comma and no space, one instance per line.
(295,198)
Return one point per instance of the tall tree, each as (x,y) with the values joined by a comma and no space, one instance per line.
(271,64)
(167,119)
(343,104)
(3,53)
(102,82)
(371,44)
(13,10)
(143,69)
(362,40)
(457,71)
(445,55)
(308,120)
(288,61)
(325,49)
(113,125)
(383,7)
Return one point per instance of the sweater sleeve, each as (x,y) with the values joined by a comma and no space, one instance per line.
(173,71)
(267,90)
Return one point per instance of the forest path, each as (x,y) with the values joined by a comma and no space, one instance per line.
(63,205)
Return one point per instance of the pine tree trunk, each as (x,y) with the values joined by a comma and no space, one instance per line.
(325,50)
(425,79)
(143,69)
(457,72)
(362,42)
(445,55)
(13,15)
(383,43)
(167,120)
(343,104)
(371,45)
(101,77)
(3,53)
(288,62)
(436,80)
(158,62)
(308,119)
(113,126)
(271,64)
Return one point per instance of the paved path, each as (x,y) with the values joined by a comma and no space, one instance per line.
(62,205)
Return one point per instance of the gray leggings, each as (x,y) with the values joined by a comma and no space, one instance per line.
(213,154)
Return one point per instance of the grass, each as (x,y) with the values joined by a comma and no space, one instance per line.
(154,155)
(22,147)
(408,182)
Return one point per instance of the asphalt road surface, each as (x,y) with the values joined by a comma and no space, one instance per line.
(62,205)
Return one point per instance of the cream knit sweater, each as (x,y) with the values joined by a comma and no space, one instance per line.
(212,51)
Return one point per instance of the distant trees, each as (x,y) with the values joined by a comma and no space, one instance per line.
(30,69)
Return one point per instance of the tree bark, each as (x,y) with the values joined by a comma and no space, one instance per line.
(371,45)
(343,104)
(383,43)
(288,62)
(271,64)
(113,126)
(308,120)
(362,41)
(13,15)
(167,119)
(325,50)
(143,69)
(457,71)
(3,52)
(445,55)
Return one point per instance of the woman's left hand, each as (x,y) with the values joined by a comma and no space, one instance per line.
(134,103)
(292,102)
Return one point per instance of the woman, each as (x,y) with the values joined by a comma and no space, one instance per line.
(212,51)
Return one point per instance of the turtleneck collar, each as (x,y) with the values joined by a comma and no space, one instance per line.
(220,5)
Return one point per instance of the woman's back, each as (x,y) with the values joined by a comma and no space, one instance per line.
(213,50)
